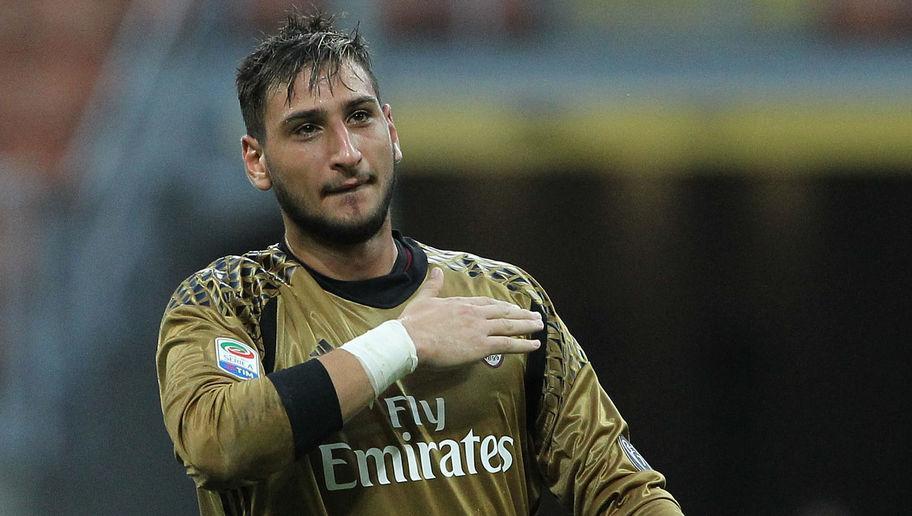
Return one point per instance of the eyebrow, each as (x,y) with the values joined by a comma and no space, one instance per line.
(319,114)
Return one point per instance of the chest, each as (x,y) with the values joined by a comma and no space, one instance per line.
(428,403)
(429,438)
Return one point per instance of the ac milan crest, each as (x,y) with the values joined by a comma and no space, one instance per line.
(493,360)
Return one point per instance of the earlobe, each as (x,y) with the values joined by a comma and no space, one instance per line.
(255,163)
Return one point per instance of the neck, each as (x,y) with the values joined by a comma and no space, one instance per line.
(370,259)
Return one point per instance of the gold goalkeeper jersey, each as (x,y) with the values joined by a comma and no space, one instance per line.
(479,439)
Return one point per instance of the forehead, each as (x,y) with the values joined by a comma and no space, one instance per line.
(351,81)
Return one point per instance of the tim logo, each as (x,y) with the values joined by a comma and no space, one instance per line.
(493,360)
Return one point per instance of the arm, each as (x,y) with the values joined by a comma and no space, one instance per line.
(230,431)
(579,437)
(444,332)
(208,411)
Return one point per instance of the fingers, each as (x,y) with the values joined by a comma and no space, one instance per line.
(503,310)
(476,301)
(512,345)
(514,327)
(492,308)
(431,286)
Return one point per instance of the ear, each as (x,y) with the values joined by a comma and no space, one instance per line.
(255,163)
(394,134)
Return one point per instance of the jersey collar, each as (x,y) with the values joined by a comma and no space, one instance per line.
(387,291)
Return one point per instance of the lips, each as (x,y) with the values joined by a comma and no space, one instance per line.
(346,186)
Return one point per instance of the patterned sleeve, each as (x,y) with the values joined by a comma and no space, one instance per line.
(581,442)
(224,416)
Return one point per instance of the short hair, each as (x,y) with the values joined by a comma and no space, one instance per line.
(303,41)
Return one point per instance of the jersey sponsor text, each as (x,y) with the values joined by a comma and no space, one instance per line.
(415,461)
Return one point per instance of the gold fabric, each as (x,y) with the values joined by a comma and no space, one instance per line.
(436,442)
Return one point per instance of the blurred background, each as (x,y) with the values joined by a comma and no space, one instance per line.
(717,195)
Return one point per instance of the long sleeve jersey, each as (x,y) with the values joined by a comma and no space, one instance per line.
(485,438)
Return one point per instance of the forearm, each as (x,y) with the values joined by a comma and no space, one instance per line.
(229,431)
(350,382)
(363,368)
(229,434)
(234,433)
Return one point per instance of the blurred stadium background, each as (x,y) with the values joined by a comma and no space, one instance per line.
(717,195)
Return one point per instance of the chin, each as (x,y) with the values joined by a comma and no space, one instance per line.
(341,232)
(363,218)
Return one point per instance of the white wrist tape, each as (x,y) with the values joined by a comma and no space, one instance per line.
(386,352)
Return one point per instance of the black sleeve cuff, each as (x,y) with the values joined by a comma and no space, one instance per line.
(310,400)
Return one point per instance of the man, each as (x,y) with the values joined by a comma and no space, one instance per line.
(352,370)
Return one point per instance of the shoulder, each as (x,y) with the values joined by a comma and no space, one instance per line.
(232,282)
(512,277)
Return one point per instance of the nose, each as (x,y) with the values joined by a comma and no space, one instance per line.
(345,153)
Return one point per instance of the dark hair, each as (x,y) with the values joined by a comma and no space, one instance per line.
(303,41)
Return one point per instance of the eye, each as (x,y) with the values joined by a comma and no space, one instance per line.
(359,117)
(305,129)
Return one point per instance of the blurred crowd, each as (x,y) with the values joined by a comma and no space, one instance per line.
(97,93)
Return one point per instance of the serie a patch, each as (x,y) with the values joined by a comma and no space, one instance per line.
(237,359)
(633,455)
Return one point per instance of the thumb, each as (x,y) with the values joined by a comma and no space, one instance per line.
(431,286)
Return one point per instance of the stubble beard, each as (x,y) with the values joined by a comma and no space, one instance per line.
(330,232)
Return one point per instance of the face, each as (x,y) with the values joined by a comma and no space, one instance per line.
(329,154)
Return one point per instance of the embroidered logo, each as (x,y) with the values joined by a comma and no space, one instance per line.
(638,461)
(236,358)
(493,360)
(322,348)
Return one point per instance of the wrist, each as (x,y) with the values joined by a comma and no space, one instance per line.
(387,353)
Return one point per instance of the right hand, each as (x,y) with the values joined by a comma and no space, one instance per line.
(453,331)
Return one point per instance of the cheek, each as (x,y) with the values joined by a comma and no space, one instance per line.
(381,151)
(296,171)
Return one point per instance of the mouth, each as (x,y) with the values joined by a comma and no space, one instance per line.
(347,186)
